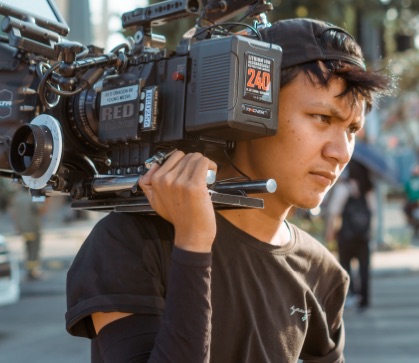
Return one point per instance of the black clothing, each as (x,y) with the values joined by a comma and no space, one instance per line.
(266,303)
(353,243)
(359,249)
(356,219)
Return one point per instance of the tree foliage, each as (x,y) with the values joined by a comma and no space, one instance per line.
(353,15)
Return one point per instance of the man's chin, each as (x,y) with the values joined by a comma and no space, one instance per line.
(310,203)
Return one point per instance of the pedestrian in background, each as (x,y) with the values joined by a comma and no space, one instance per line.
(349,222)
(27,216)
(411,206)
(5,195)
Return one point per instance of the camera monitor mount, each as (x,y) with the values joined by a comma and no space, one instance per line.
(33,26)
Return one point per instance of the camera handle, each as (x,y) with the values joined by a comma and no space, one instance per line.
(142,205)
(224,195)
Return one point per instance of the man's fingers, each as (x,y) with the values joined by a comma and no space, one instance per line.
(172,161)
(145,180)
(181,168)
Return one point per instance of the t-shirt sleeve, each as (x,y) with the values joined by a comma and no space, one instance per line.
(181,335)
(122,266)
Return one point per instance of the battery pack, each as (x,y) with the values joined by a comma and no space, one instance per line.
(233,89)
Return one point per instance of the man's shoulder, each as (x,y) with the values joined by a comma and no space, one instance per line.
(132,231)
(127,223)
(320,261)
(311,246)
(303,235)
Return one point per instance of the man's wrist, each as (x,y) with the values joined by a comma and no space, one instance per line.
(201,243)
(191,258)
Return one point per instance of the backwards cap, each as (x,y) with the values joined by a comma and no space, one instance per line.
(300,42)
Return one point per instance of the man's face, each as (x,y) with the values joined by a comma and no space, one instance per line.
(314,142)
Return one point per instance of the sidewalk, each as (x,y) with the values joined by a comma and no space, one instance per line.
(61,242)
(395,262)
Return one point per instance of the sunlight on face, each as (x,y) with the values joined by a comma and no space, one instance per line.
(314,142)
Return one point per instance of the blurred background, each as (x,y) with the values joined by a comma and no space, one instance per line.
(388,31)
(32,319)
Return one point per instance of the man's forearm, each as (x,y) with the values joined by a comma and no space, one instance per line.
(186,332)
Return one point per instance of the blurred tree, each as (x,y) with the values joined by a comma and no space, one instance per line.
(174,30)
(354,15)
(386,29)
(79,21)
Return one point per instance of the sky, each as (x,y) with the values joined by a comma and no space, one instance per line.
(115,9)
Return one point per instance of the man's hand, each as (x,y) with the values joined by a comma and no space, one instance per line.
(178,192)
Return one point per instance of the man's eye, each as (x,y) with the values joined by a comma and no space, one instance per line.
(322,118)
(353,129)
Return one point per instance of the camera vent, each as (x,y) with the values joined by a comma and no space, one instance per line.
(215,83)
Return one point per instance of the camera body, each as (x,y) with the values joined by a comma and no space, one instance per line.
(83,122)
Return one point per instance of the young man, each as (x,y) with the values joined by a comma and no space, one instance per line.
(195,285)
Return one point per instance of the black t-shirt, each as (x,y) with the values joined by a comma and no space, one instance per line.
(265,303)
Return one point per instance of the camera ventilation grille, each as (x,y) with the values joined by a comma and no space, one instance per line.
(215,83)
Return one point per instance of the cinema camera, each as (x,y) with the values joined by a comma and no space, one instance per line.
(78,121)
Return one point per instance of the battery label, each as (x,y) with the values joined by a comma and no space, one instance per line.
(258,80)
(256,111)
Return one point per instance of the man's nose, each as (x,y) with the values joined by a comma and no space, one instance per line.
(340,147)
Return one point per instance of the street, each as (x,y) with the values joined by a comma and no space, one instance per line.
(33,329)
(389,331)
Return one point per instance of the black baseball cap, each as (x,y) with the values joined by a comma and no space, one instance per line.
(299,39)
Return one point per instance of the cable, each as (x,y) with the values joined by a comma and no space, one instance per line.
(228,31)
(245,176)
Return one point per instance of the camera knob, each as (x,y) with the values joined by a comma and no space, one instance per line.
(68,50)
(36,151)
(29,150)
